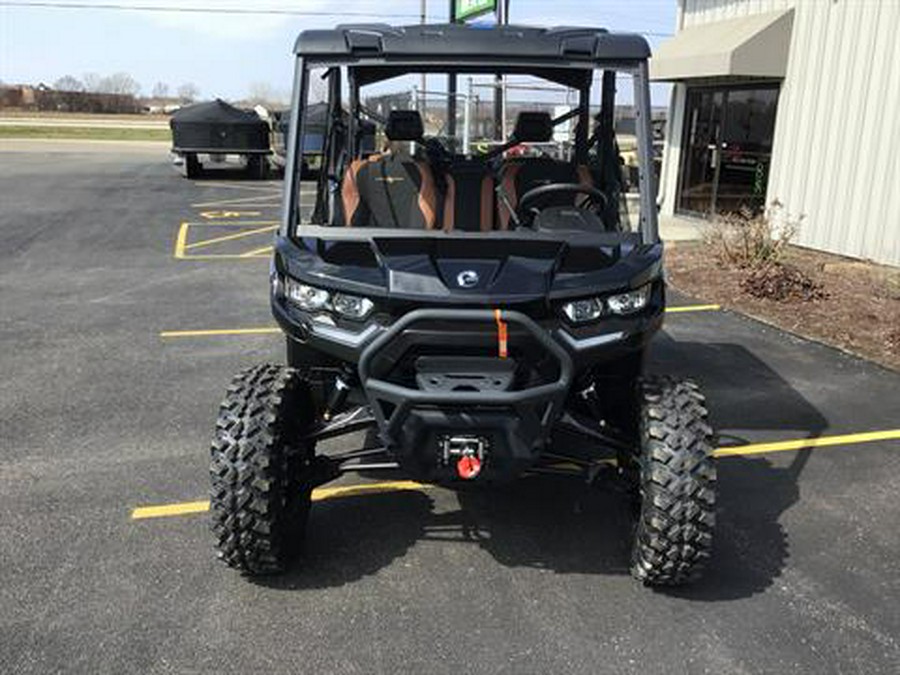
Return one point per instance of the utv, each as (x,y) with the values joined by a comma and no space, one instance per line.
(473,318)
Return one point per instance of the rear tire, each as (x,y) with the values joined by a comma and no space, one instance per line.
(192,166)
(257,167)
(673,534)
(261,470)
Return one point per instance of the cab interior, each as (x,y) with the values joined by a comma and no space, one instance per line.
(417,181)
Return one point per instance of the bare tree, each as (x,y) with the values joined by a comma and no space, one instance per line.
(92,82)
(188,92)
(120,83)
(264,94)
(68,83)
(160,90)
(259,93)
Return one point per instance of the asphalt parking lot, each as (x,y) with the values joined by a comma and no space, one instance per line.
(130,296)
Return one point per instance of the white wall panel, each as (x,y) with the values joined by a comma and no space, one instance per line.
(836,156)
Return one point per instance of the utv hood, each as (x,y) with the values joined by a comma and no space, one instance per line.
(471,270)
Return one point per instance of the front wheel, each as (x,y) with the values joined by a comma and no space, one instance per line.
(673,534)
(261,469)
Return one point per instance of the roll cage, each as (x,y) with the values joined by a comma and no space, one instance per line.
(368,54)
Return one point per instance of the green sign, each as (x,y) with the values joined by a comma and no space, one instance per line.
(468,9)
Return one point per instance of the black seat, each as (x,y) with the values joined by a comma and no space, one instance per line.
(469,197)
(518,176)
(521,174)
(391,189)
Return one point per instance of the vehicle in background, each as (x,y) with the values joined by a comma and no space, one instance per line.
(313,138)
(207,133)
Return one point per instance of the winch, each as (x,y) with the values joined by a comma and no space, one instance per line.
(467,452)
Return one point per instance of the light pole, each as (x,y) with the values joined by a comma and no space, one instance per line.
(423,13)
(500,88)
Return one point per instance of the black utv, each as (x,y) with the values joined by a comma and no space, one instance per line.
(473,317)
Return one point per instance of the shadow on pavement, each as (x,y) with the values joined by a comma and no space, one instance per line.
(230,172)
(567,526)
(352,537)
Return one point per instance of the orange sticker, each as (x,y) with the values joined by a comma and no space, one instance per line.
(502,335)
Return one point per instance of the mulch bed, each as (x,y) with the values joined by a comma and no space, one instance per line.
(846,303)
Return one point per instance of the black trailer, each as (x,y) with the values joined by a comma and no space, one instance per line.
(215,129)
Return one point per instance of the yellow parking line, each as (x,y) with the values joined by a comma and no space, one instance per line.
(693,308)
(181,240)
(319,494)
(164,510)
(230,237)
(255,200)
(270,188)
(255,253)
(231,223)
(258,253)
(219,331)
(806,443)
(224,256)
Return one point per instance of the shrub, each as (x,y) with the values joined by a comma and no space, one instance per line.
(782,283)
(751,240)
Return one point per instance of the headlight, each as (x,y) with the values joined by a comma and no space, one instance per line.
(622,304)
(312,299)
(351,306)
(630,302)
(580,311)
(305,297)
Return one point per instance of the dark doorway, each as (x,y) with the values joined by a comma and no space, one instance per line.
(726,149)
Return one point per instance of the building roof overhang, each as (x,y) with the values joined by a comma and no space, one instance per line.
(756,46)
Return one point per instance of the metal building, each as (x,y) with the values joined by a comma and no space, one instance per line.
(794,101)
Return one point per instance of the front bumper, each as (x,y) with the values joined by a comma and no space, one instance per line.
(515,420)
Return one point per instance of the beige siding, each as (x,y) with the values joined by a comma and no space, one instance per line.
(836,158)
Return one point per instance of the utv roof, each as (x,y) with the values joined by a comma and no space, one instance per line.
(462,42)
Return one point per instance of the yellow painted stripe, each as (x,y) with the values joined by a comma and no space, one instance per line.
(261,199)
(232,223)
(230,237)
(181,240)
(257,252)
(364,488)
(165,510)
(219,331)
(806,443)
(319,494)
(693,308)
(260,331)
(267,188)
(226,256)
(185,508)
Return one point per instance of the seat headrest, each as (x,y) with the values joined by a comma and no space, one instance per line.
(533,127)
(404,125)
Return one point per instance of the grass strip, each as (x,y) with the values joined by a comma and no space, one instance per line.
(84,133)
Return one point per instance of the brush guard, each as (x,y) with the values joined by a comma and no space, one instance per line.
(462,396)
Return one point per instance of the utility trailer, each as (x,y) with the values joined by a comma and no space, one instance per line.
(205,134)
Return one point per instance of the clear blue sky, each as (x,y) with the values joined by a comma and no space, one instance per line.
(224,54)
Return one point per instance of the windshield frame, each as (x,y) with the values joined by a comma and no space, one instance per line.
(354,66)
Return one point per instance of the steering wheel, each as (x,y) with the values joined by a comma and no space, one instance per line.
(531,203)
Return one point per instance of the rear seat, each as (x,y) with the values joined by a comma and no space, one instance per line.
(469,197)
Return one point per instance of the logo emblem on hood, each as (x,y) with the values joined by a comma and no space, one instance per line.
(467,279)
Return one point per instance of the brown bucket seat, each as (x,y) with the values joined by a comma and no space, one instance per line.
(521,174)
(391,190)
